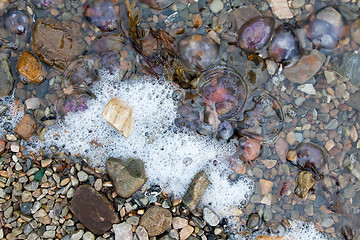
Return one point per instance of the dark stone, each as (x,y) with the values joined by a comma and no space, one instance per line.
(6,78)
(350,67)
(56,43)
(42,89)
(127,175)
(26,208)
(93,210)
(354,101)
(196,190)
(156,220)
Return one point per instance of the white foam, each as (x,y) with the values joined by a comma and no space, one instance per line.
(152,139)
(12,115)
(304,231)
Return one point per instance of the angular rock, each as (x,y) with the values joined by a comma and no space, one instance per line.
(354,101)
(304,183)
(196,190)
(118,114)
(2,145)
(56,43)
(156,220)
(127,175)
(26,127)
(123,231)
(6,78)
(350,67)
(186,232)
(266,186)
(30,68)
(305,68)
(93,210)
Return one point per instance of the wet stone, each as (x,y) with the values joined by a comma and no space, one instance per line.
(210,217)
(26,127)
(141,233)
(253,221)
(156,220)
(6,79)
(30,69)
(56,43)
(196,190)
(93,210)
(350,67)
(304,184)
(127,175)
(123,231)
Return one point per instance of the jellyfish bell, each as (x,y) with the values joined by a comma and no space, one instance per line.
(18,21)
(224,90)
(82,71)
(198,52)
(255,34)
(103,14)
(325,28)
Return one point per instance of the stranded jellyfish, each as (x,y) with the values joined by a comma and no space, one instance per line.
(158,4)
(198,52)
(103,14)
(43,4)
(73,99)
(262,118)
(325,28)
(81,71)
(308,157)
(18,21)
(284,47)
(223,90)
(255,34)
(189,117)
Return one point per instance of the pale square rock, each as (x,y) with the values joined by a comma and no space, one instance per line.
(119,115)
(280,8)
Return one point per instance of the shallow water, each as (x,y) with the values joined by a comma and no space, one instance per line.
(324,118)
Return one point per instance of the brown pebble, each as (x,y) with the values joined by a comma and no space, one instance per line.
(26,127)
(30,67)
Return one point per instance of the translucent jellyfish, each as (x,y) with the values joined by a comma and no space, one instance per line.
(109,60)
(284,47)
(43,4)
(188,117)
(224,90)
(73,99)
(103,14)
(325,28)
(18,21)
(198,52)
(262,118)
(309,157)
(255,34)
(81,71)
(158,4)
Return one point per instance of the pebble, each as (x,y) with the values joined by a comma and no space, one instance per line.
(32,103)
(280,8)
(210,217)
(156,220)
(186,232)
(178,222)
(77,235)
(307,88)
(196,190)
(82,176)
(216,6)
(141,233)
(123,231)
(333,124)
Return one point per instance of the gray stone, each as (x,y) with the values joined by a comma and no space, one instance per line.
(88,236)
(127,175)
(141,233)
(49,234)
(133,220)
(196,190)
(354,101)
(32,103)
(333,124)
(123,231)
(211,217)
(156,220)
(26,208)
(6,78)
(350,67)
(77,235)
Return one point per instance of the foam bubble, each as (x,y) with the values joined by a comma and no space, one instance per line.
(11,116)
(304,231)
(171,157)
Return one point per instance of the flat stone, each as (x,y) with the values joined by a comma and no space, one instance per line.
(156,220)
(119,115)
(93,210)
(32,103)
(280,8)
(123,231)
(77,235)
(30,68)
(127,175)
(141,233)
(266,186)
(26,127)
(88,236)
(307,88)
(355,31)
(305,68)
(178,222)
(216,6)
(211,217)
(6,78)
(56,43)
(186,232)
(350,67)
(354,100)
(196,190)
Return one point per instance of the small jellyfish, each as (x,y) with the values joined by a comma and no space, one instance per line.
(325,28)
(263,117)
(308,157)
(284,47)
(158,4)
(103,14)
(188,117)
(224,90)
(18,21)
(109,60)
(81,71)
(198,52)
(42,4)
(255,34)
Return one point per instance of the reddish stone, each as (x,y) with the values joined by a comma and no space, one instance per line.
(26,127)
(93,210)
(281,148)
(2,145)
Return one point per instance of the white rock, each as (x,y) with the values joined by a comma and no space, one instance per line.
(88,236)
(123,231)
(211,217)
(118,114)
(141,233)
(280,8)
(307,88)
(216,6)
(77,235)
(32,103)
